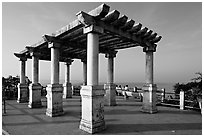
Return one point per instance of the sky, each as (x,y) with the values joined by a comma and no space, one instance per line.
(177,59)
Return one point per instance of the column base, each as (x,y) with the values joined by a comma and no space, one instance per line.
(149,99)
(35,96)
(92,109)
(22,93)
(91,127)
(67,91)
(54,100)
(110,94)
(54,112)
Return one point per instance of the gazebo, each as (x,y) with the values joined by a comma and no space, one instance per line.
(98,31)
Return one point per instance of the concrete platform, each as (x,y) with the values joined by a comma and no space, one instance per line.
(123,119)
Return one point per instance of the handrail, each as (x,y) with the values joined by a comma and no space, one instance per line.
(161,94)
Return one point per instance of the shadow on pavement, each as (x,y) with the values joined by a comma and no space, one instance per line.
(139,128)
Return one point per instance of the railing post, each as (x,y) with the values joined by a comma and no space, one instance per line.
(182,100)
(163,95)
(4,101)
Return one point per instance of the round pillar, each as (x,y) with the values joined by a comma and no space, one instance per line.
(54,65)
(22,70)
(67,72)
(110,70)
(84,72)
(35,69)
(110,88)
(149,68)
(149,89)
(92,58)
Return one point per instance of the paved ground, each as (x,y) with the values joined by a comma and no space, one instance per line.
(125,118)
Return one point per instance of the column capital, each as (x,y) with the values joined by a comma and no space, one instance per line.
(23,59)
(54,45)
(68,62)
(32,51)
(150,48)
(35,54)
(53,42)
(84,60)
(93,29)
(111,54)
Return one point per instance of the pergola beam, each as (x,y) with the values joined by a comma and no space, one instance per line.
(111,17)
(116,29)
(87,19)
(128,25)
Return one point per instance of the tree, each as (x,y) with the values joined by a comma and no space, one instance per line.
(198,78)
(193,89)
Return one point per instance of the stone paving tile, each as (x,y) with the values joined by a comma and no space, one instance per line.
(123,119)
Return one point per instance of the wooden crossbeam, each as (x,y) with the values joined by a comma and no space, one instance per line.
(126,46)
(113,42)
(105,37)
(79,38)
(109,41)
(63,54)
(115,45)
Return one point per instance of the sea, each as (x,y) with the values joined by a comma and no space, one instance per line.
(168,86)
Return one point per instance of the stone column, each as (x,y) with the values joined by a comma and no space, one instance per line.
(92,119)
(149,89)
(110,87)
(67,93)
(22,86)
(54,90)
(35,87)
(84,71)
